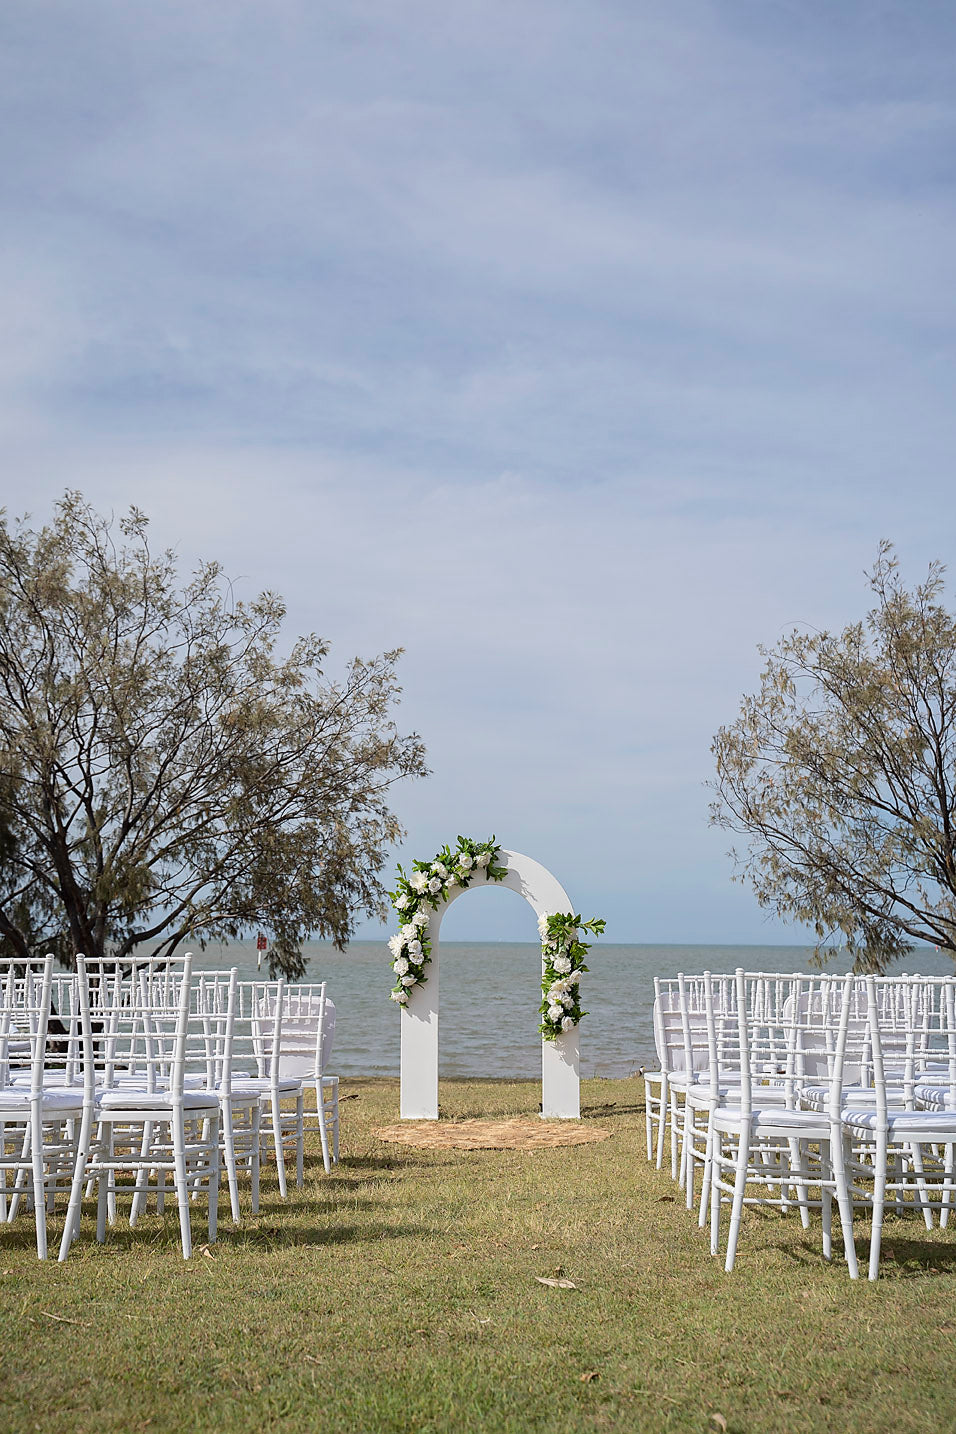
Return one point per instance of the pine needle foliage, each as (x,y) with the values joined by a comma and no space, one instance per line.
(841,773)
(164,774)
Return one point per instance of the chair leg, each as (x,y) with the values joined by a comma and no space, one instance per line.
(3,1173)
(178,1135)
(277,1143)
(255,1117)
(916,1153)
(323,1130)
(675,1124)
(111,1182)
(300,1140)
(229,1144)
(141,1189)
(838,1151)
(20,1179)
(798,1162)
(879,1200)
(826,1220)
(335,1124)
(72,1226)
(947,1193)
(691,1132)
(662,1120)
(707,1177)
(716,1180)
(102,1180)
(737,1206)
(214,1170)
(39,1181)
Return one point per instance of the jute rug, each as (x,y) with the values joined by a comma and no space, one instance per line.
(518,1134)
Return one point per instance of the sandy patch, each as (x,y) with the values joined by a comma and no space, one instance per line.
(518,1134)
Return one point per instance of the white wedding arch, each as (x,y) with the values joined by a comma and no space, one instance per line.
(560,1076)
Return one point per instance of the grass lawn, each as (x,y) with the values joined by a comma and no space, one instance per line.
(400,1293)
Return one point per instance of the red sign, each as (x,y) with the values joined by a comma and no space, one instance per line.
(261,943)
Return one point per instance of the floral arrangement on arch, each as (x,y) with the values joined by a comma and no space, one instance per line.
(428,885)
(562,957)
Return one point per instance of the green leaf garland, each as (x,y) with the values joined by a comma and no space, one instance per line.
(562,956)
(428,885)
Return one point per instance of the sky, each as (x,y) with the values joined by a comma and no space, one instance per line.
(576,347)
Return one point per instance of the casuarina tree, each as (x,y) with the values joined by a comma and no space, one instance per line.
(165,775)
(840,772)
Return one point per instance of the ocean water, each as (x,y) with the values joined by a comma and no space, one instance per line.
(490,991)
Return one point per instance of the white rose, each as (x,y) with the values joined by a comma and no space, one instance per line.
(555,1013)
(409,932)
(418,880)
(567,1024)
(402,901)
(484,858)
(440,869)
(414,949)
(567,999)
(557,989)
(420,918)
(400,966)
(400,996)
(543,925)
(466,861)
(395,945)
(409,980)
(574,977)
(562,963)
(434,886)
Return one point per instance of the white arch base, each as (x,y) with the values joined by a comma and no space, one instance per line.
(560,1073)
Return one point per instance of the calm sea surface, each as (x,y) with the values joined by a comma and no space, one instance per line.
(490,995)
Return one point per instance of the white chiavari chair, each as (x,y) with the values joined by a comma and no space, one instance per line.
(215,1009)
(38,1114)
(308,1028)
(765,1147)
(140,1115)
(282,1097)
(904,1149)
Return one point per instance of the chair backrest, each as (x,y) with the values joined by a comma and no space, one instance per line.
(25,994)
(921,1034)
(213,1005)
(680,1025)
(308,1028)
(296,1025)
(135,1019)
(811,1017)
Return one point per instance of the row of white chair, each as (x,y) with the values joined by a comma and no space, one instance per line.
(807,1090)
(140,1067)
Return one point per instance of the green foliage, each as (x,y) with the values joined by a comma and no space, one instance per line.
(430,884)
(163,774)
(841,772)
(563,955)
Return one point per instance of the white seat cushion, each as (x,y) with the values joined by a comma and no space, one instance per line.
(937,1097)
(918,1124)
(253,1085)
(129,1098)
(818,1096)
(799,1122)
(17,1098)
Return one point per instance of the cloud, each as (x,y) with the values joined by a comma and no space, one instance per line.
(575,349)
